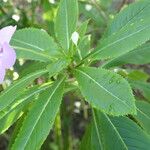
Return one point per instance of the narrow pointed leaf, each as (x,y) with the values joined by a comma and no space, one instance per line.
(143,114)
(66,21)
(120,133)
(132,14)
(82,29)
(106,132)
(91,139)
(15,110)
(124,40)
(13,91)
(31,66)
(86,140)
(144,87)
(16,130)
(138,56)
(57,66)
(83,48)
(40,118)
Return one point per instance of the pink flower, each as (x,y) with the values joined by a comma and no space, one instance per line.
(7,54)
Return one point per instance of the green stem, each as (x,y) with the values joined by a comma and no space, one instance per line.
(66,122)
(85,109)
(58,133)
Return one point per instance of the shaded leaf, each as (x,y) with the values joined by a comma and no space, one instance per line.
(144,87)
(143,114)
(86,140)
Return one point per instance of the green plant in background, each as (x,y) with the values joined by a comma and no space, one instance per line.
(120,120)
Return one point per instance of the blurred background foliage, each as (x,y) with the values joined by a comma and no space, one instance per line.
(70,125)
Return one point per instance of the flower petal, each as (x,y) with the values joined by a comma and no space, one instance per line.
(2,73)
(6,33)
(8,56)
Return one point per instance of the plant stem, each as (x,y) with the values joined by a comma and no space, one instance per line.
(58,132)
(66,122)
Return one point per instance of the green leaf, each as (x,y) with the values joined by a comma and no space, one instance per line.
(83,48)
(106,133)
(57,66)
(40,118)
(105,4)
(86,140)
(34,44)
(91,13)
(120,133)
(82,29)
(91,140)
(95,138)
(16,130)
(31,66)
(138,56)
(13,91)
(121,42)
(143,115)
(66,21)
(15,110)
(106,91)
(144,87)
(132,14)
(138,75)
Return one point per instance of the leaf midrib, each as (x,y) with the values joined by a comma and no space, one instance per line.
(113,127)
(103,88)
(67,26)
(144,114)
(38,118)
(28,44)
(124,55)
(119,40)
(140,11)
(116,131)
(23,100)
(35,52)
(26,78)
(96,126)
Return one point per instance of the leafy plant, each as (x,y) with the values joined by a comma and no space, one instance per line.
(120,119)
